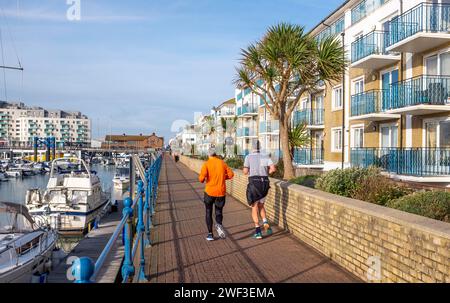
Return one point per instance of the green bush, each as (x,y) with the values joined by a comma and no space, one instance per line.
(431,204)
(236,162)
(308,181)
(377,189)
(344,182)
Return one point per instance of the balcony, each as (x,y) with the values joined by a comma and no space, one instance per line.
(247,110)
(369,51)
(308,156)
(416,162)
(313,118)
(421,28)
(246,132)
(368,106)
(269,126)
(421,95)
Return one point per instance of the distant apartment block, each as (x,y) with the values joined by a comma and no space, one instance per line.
(19,124)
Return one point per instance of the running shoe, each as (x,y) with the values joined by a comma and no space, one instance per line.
(257,236)
(221,231)
(267,229)
(210,237)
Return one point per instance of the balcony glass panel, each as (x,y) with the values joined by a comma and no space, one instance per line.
(309,117)
(366,103)
(364,8)
(373,43)
(308,156)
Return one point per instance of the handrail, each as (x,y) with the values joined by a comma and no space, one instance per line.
(86,271)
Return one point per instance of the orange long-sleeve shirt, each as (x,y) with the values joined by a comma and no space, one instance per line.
(215,172)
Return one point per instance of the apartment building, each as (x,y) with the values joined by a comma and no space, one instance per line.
(224,117)
(254,122)
(19,124)
(393,109)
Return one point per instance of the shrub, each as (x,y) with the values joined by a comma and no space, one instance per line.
(236,162)
(308,181)
(377,189)
(344,182)
(431,204)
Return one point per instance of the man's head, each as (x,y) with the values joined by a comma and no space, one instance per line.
(212,152)
(256,146)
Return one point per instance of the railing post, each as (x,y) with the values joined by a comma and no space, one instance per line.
(141,231)
(128,267)
(147,207)
(83,269)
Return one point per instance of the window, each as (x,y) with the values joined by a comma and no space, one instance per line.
(438,64)
(337,98)
(357,139)
(438,134)
(358,86)
(336,140)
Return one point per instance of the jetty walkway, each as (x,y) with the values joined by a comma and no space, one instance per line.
(180,253)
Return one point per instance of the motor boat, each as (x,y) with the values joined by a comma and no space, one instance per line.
(25,248)
(121,178)
(73,199)
(14,172)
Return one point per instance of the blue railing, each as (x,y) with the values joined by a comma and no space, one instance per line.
(425,17)
(245,132)
(428,90)
(308,156)
(269,126)
(374,43)
(368,102)
(333,30)
(364,8)
(309,117)
(85,270)
(419,162)
(249,109)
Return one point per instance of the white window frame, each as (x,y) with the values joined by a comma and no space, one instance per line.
(333,143)
(435,53)
(333,98)
(380,141)
(352,135)
(424,130)
(356,80)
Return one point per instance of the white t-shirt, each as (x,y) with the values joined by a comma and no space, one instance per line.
(258,164)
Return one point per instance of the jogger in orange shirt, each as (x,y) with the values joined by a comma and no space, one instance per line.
(215,172)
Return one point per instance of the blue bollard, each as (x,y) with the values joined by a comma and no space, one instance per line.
(83,269)
(128,267)
(141,229)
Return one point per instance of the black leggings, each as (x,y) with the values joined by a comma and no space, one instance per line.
(219,203)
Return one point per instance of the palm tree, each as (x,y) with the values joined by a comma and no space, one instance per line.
(284,65)
(298,137)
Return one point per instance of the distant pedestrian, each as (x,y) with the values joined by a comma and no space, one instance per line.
(258,167)
(215,172)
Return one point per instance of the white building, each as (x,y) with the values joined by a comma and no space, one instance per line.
(19,124)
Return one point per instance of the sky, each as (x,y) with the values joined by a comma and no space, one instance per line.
(135,66)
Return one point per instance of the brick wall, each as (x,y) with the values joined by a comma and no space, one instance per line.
(361,237)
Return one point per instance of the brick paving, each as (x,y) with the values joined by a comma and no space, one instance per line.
(180,253)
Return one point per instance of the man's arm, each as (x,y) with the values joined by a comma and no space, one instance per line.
(203,174)
(272,169)
(246,166)
(229,173)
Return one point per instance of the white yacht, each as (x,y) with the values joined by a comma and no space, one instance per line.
(25,248)
(73,199)
(122,178)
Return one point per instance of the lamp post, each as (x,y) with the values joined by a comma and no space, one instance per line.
(343,103)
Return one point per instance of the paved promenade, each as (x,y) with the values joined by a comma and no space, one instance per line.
(180,252)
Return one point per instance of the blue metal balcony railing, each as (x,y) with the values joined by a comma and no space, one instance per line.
(368,102)
(248,109)
(269,126)
(333,30)
(135,236)
(374,43)
(418,162)
(245,132)
(308,156)
(364,8)
(425,17)
(309,116)
(431,90)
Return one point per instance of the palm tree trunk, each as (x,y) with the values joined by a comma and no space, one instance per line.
(289,172)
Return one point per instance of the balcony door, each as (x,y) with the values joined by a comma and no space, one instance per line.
(437,134)
(389,86)
(389,136)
